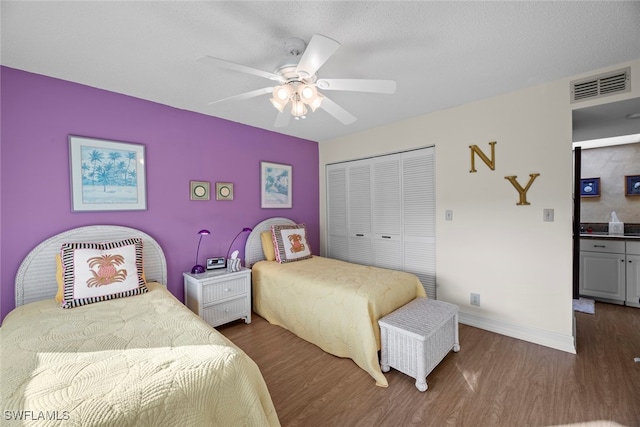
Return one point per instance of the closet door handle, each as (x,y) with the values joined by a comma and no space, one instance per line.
(599,246)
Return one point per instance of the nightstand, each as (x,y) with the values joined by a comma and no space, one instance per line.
(219,296)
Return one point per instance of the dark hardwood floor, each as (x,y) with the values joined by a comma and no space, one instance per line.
(493,381)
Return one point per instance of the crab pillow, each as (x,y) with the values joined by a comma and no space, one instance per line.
(290,242)
(94,272)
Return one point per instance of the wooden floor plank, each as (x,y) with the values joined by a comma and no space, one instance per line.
(493,381)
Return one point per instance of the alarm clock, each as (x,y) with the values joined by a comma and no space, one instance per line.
(215,263)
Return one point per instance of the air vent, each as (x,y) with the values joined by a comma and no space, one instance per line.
(602,85)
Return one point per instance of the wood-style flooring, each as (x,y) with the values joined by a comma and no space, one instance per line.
(493,381)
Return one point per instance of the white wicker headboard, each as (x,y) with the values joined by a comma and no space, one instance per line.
(253,248)
(36,277)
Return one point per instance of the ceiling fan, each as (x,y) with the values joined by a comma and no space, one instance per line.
(298,88)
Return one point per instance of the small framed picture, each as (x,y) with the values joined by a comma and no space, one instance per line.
(224,191)
(590,187)
(200,190)
(275,183)
(632,185)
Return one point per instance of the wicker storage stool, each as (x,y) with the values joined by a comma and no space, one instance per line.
(417,336)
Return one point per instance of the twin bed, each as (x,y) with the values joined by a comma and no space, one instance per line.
(142,360)
(145,359)
(333,304)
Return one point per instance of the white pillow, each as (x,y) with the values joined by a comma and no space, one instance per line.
(94,272)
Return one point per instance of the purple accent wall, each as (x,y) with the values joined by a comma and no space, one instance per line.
(37,115)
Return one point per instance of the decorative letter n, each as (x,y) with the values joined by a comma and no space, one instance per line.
(491,163)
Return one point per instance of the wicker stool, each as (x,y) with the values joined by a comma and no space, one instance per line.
(417,336)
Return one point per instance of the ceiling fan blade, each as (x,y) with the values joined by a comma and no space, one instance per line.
(282,120)
(217,62)
(319,49)
(337,111)
(358,85)
(246,95)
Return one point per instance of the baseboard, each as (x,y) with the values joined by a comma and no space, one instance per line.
(525,333)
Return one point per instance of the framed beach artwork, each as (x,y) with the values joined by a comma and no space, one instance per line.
(590,187)
(106,175)
(275,184)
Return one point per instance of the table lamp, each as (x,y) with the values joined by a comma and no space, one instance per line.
(236,268)
(197,269)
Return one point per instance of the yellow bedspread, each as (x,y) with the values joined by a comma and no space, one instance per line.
(144,360)
(333,304)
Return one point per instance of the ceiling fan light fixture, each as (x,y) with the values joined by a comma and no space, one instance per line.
(316,102)
(297,85)
(298,108)
(308,93)
(282,93)
(278,104)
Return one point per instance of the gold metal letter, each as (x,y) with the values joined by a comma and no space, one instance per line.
(491,163)
(522,191)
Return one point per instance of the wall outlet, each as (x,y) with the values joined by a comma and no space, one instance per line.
(475,299)
(547,215)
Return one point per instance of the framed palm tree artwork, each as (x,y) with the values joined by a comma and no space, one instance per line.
(106,175)
(276,182)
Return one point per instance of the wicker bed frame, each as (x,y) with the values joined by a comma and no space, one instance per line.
(253,248)
(36,277)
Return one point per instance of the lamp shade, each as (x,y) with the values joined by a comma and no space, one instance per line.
(297,108)
(278,104)
(308,93)
(197,269)
(282,93)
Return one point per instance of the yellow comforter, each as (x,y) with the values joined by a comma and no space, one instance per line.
(144,360)
(333,304)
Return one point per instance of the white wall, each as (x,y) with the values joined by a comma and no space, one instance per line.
(519,264)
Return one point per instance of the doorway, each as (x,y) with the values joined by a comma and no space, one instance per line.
(603,125)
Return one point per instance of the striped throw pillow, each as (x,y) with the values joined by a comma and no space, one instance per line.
(290,242)
(94,272)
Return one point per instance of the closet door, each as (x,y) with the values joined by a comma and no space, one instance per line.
(419,217)
(381,212)
(359,213)
(386,211)
(337,225)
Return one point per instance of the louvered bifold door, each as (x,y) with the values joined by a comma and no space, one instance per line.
(337,241)
(359,213)
(387,198)
(419,220)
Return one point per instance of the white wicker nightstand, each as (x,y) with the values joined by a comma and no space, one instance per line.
(219,296)
(417,336)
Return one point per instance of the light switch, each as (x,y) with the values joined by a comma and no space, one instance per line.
(448,215)
(547,215)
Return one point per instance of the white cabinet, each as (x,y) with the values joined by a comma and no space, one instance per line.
(219,296)
(381,212)
(610,270)
(633,274)
(603,270)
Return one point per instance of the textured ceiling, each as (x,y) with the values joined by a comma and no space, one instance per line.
(441,54)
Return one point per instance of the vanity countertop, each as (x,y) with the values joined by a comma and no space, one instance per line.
(605,235)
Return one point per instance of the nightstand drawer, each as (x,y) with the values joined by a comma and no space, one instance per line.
(221,291)
(225,312)
(219,296)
